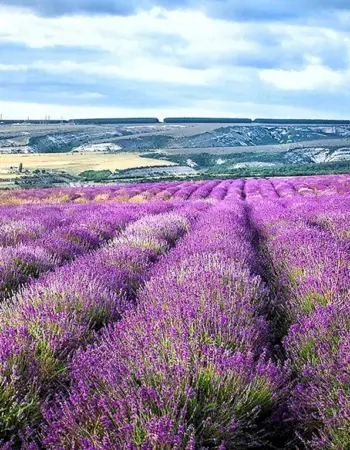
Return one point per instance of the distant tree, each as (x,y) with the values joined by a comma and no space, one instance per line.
(118,121)
(206,120)
(95,175)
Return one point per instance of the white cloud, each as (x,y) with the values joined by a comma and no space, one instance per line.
(83,95)
(135,69)
(148,46)
(124,35)
(13,67)
(312,78)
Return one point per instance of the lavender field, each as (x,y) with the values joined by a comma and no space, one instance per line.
(186,316)
(216,190)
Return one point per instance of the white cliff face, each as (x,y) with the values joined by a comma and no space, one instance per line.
(318,155)
(306,155)
(191,163)
(253,164)
(105,147)
(342,154)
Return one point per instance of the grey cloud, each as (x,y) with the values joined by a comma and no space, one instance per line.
(248,10)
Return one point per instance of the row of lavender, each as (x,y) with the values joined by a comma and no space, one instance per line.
(189,367)
(308,246)
(36,239)
(42,327)
(213,190)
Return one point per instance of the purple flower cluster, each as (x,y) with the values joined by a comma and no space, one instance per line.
(188,368)
(219,192)
(42,327)
(26,223)
(319,347)
(308,245)
(204,191)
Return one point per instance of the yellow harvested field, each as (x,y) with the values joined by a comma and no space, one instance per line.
(76,163)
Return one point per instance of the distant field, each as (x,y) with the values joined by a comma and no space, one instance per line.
(26,128)
(75,163)
(259,148)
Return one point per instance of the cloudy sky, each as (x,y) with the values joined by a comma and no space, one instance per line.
(247,58)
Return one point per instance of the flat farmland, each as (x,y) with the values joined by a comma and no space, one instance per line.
(77,163)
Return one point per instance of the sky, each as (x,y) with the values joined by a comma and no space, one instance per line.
(160,58)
